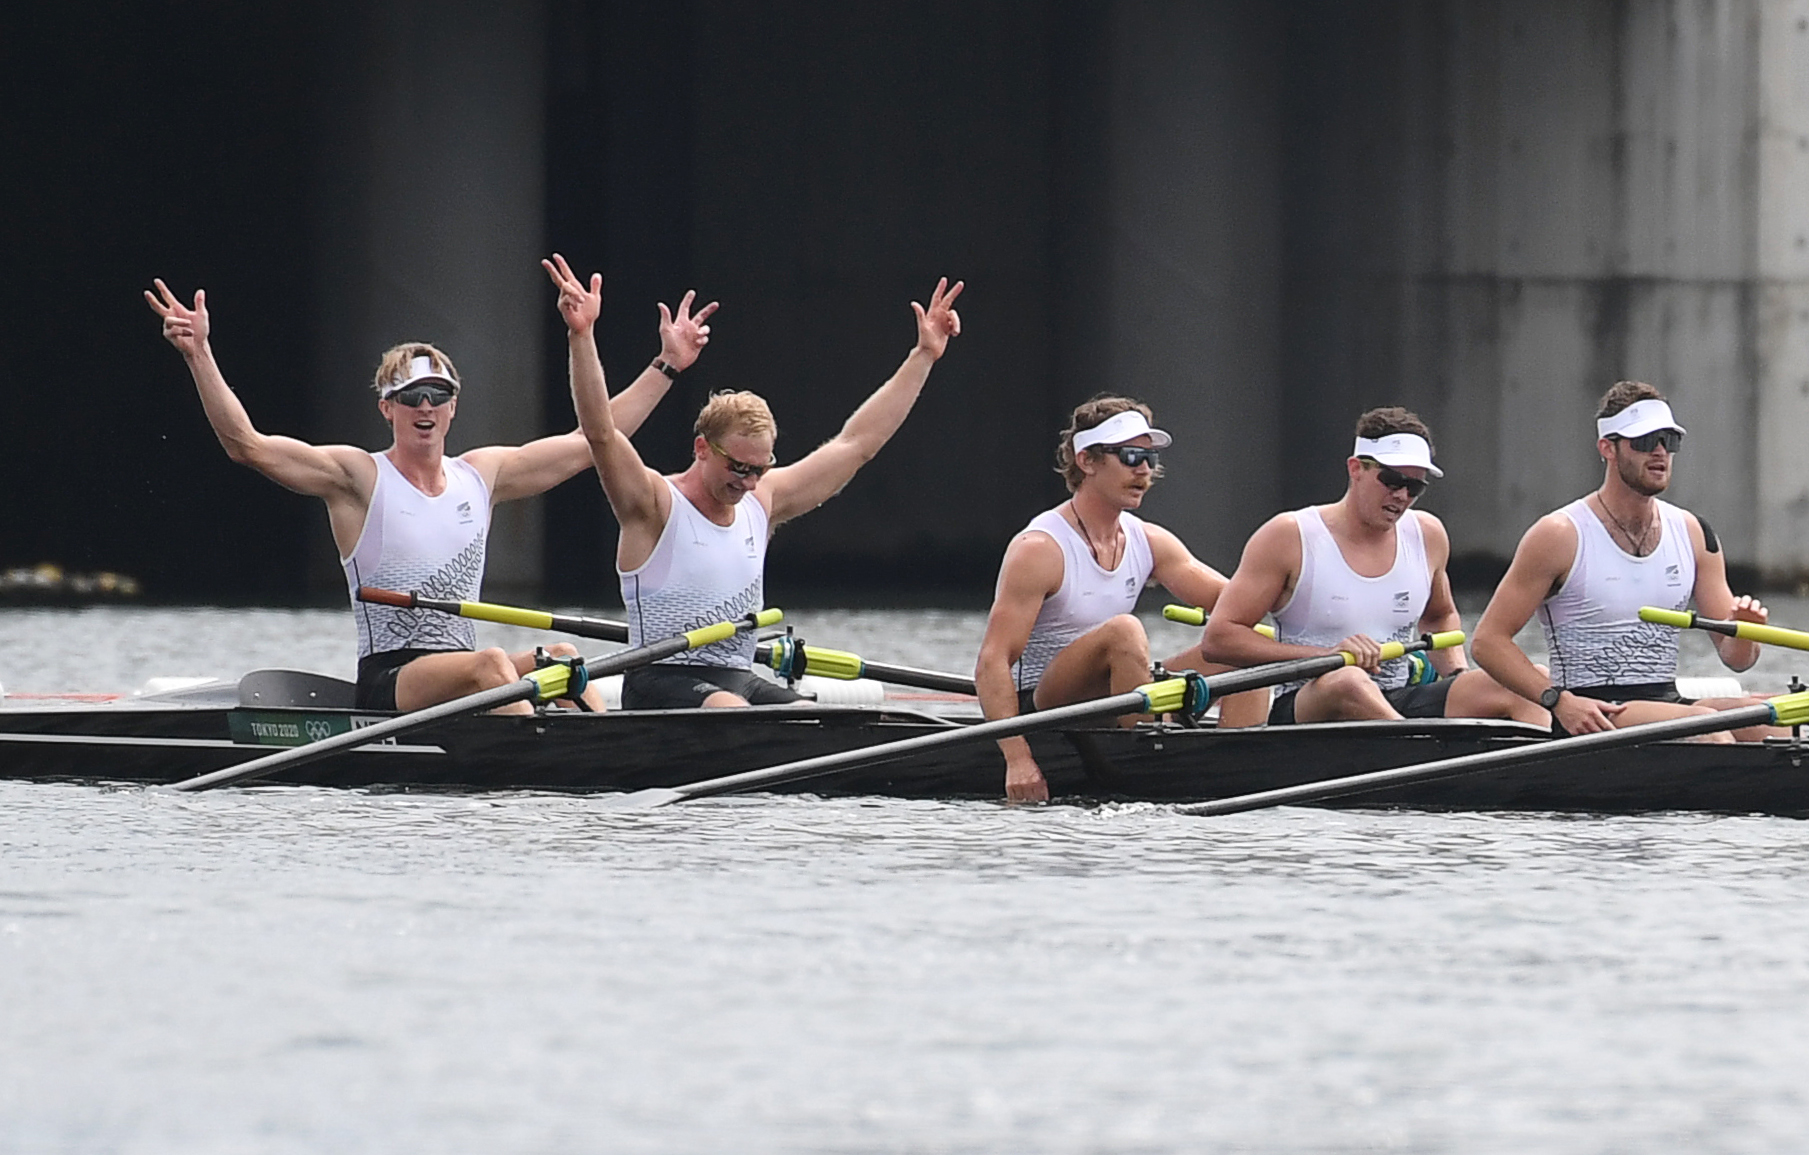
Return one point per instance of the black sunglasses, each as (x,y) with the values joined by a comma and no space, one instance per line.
(435,395)
(1671,439)
(1131,455)
(1395,479)
(738,467)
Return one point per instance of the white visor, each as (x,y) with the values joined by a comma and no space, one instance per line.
(1398,449)
(1120,428)
(420,369)
(1639,419)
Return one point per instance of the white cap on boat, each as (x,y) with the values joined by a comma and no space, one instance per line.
(1638,419)
(420,369)
(1398,449)
(1120,428)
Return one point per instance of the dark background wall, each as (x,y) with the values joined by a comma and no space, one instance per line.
(1260,217)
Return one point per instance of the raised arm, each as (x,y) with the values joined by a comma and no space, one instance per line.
(635,492)
(807,483)
(538,466)
(1031,572)
(1187,577)
(338,473)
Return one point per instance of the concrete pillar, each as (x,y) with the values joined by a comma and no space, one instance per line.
(1191,298)
(1782,289)
(430,191)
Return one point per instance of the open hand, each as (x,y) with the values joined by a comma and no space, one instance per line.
(183,327)
(1749,609)
(683,336)
(579,306)
(939,322)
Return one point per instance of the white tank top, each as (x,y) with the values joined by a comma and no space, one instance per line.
(1331,601)
(1089,594)
(419,544)
(698,574)
(1592,625)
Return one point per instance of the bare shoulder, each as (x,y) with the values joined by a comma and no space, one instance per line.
(1033,560)
(1431,526)
(359,466)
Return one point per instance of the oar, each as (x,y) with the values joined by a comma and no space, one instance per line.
(1188,695)
(508,615)
(1788,710)
(1749,631)
(1195,616)
(560,680)
(790,657)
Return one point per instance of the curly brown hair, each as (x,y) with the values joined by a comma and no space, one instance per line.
(1095,410)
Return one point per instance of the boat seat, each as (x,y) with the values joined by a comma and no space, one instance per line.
(296,688)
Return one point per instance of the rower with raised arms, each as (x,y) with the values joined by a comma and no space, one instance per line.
(410,517)
(1366,569)
(1062,627)
(1586,570)
(693,545)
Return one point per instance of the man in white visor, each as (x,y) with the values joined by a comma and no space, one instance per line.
(1367,569)
(411,518)
(1062,627)
(1588,568)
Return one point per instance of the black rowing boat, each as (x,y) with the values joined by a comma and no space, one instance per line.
(162,738)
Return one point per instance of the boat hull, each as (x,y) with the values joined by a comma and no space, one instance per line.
(631,750)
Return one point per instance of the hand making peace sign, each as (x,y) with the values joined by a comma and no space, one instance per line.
(939,322)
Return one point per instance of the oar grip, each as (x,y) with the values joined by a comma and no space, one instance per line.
(770,616)
(385,597)
(1445,640)
(1790,709)
(1682,619)
(1168,696)
(506,615)
(1195,616)
(833,663)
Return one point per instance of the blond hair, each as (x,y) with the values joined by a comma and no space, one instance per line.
(1096,410)
(741,412)
(394,365)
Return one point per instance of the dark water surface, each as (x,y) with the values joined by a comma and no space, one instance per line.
(294,970)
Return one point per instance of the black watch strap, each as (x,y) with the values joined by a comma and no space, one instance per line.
(1548,697)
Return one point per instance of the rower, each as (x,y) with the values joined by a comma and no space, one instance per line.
(1062,627)
(692,550)
(1587,568)
(1365,569)
(410,517)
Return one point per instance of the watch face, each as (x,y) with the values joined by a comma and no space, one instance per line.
(1549,696)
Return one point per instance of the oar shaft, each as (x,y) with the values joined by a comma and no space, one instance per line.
(1131,702)
(532,686)
(912,676)
(600,628)
(1747,631)
(1490,760)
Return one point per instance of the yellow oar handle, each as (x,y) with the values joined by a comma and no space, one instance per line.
(507,615)
(708,635)
(555,681)
(1393,650)
(1168,696)
(1747,631)
(833,663)
(1790,709)
(1195,616)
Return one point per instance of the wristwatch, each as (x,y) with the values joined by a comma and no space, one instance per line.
(1549,696)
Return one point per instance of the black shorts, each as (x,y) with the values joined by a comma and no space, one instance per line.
(377,676)
(1637,692)
(677,687)
(1427,701)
